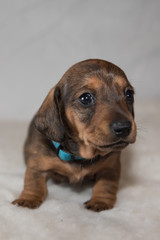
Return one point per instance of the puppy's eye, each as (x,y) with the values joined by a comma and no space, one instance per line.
(129,96)
(86,99)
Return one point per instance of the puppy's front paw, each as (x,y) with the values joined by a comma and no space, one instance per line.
(27,203)
(98,205)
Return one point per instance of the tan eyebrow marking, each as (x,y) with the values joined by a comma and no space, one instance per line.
(121,82)
(94,83)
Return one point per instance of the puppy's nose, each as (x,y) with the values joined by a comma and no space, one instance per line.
(121,129)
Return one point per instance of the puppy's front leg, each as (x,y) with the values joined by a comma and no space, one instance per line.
(35,189)
(104,191)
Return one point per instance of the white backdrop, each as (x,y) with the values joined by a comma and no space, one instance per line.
(40,39)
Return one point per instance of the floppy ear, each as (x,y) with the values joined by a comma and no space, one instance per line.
(47,119)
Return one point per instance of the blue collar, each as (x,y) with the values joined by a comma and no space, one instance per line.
(64,155)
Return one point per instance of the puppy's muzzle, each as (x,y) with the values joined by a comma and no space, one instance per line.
(121,129)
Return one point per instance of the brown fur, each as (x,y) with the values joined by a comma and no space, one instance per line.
(82,131)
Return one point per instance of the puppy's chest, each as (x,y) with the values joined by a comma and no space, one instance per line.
(79,174)
(73,174)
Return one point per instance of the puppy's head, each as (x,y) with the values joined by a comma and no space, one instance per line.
(92,107)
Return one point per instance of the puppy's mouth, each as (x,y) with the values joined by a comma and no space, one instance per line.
(116,145)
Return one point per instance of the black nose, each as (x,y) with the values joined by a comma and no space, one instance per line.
(121,129)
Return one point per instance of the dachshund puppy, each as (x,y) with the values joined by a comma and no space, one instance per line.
(79,132)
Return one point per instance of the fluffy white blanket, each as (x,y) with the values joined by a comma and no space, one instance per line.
(136,214)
